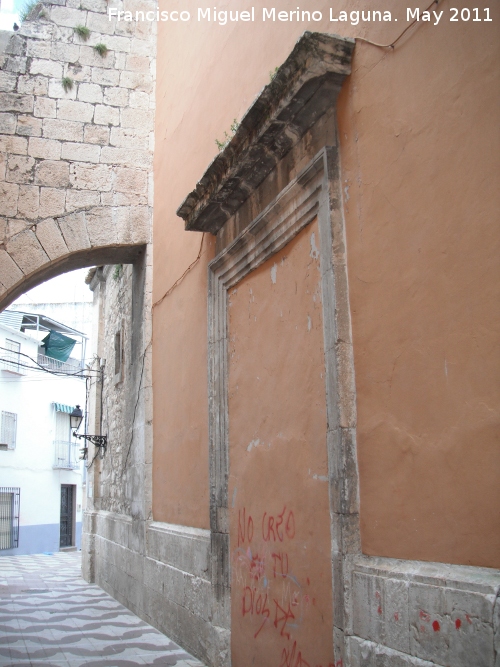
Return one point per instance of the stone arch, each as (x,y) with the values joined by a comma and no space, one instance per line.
(75,160)
(41,270)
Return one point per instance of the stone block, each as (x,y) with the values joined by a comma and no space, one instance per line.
(125,29)
(136,81)
(45,107)
(51,239)
(130,180)
(10,273)
(78,72)
(66,53)
(48,68)
(105,115)
(139,119)
(13,144)
(94,5)
(98,22)
(74,231)
(15,226)
(96,134)
(52,173)
(129,138)
(100,231)
(26,251)
(7,82)
(56,91)
(113,42)
(139,100)
(137,63)
(90,92)
(16,45)
(9,193)
(32,85)
(15,64)
(141,159)
(19,169)
(80,152)
(51,202)
(105,77)
(28,202)
(29,126)
(472,623)
(7,123)
(141,47)
(63,34)
(117,97)
(184,548)
(89,56)
(64,16)
(145,29)
(15,102)
(65,130)
(47,149)
(71,110)
(79,199)
(38,49)
(120,60)
(91,176)
(3,165)
(37,30)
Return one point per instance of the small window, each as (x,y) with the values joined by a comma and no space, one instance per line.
(9,430)
(118,356)
(11,356)
(9,517)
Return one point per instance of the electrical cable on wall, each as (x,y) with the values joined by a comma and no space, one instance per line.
(393,43)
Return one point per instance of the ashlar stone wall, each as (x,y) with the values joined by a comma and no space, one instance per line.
(75,163)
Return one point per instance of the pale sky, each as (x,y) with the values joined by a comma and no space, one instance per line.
(67,288)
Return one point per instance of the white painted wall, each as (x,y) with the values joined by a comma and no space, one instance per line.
(31,395)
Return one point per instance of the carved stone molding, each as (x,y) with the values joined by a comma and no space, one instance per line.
(304,87)
(313,194)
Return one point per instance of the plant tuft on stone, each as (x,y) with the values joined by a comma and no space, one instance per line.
(101,49)
(227,137)
(67,83)
(27,9)
(82,31)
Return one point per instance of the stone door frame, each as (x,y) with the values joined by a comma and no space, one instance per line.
(315,193)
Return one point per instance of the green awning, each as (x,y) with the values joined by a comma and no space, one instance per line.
(58,346)
(60,407)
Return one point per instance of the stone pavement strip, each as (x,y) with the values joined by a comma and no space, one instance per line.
(50,616)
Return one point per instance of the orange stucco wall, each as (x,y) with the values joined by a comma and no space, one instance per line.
(419,133)
(281,592)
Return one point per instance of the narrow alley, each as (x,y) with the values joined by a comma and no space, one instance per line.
(50,616)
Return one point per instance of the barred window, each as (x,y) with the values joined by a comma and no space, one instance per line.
(8,430)
(11,355)
(9,517)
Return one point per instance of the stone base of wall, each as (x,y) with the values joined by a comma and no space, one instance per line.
(415,613)
(401,613)
(160,572)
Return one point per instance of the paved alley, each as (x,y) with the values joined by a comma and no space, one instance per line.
(50,616)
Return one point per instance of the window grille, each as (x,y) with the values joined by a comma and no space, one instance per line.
(9,517)
(9,430)
(66,452)
(11,356)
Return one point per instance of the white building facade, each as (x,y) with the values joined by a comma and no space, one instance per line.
(41,473)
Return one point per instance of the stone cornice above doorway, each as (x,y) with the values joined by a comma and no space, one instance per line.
(304,87)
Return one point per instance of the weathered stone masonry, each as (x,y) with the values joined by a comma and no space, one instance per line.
(75,165)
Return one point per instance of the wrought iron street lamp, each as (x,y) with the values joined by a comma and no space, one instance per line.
(100,441)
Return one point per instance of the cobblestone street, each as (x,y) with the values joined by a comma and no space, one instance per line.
(50,616)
